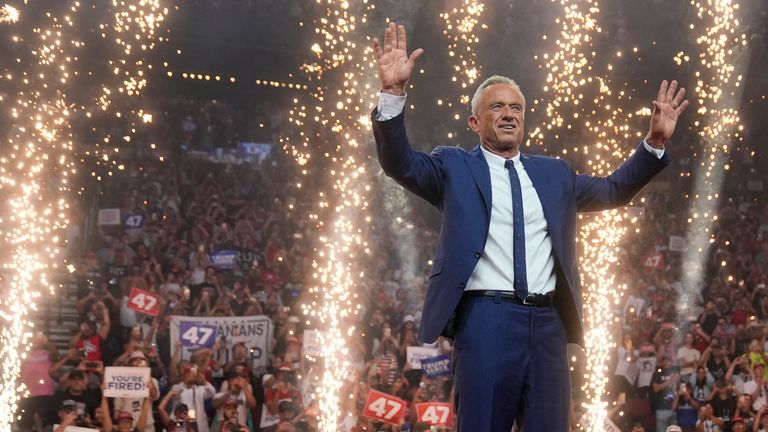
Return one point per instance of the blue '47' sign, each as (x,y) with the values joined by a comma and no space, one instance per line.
(196,335)
(133,221)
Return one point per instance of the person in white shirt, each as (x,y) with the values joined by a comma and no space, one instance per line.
(193,391)
(687,357)
(235,387)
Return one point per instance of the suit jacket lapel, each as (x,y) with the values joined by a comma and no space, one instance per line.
(479,167)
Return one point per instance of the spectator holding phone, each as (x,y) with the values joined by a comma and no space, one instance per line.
(686,407)
(193,391)
(723,403)
(664,385)
(68,414)
(701,384)
(179,419)
(707,421)
(237,388)
(77,392)
(227,419)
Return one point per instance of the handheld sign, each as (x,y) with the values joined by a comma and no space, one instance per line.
(197,335)
(414,354)
(436,367)
(110,216)
(383,407)
(133,221)
(128,382)
(144,302)
(313,345)
(224,259)
(677,244)
(653,262)
(435,413)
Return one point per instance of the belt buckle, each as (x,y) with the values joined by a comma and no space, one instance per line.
(529,300)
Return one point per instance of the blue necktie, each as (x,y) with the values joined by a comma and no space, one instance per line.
(518,224)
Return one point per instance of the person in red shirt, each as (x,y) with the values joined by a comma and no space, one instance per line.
(89,338)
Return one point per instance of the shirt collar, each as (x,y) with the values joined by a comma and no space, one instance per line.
(497,161)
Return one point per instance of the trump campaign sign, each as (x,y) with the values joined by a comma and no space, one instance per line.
(436,367)
(435,413)
(384,407)
(224,259)
(414,355)
(197,335)
(255,332)
(128,382)
(144,302)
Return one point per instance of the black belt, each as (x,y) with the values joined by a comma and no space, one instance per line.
(535,300)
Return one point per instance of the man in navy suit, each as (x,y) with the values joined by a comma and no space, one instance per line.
(504,283)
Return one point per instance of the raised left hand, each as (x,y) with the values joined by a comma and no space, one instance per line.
(667,107)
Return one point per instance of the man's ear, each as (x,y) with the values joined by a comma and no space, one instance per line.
(472,122)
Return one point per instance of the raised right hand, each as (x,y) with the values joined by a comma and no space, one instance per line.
(395,66)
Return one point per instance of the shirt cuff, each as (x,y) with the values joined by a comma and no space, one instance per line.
(659,153)
(389,106)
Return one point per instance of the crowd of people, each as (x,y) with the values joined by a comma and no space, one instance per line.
(694,358)
(220,240)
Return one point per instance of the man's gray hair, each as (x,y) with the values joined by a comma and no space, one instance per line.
(496,79)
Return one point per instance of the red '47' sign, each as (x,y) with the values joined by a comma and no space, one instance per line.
(383,407)
(435,413)
(144,302)
(653,262)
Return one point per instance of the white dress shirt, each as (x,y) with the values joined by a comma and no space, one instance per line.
(495,268)
(194,396)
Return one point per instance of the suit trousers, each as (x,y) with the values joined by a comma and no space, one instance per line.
(510,363)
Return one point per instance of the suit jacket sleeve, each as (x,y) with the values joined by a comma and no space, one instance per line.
(603,193)
(418,172)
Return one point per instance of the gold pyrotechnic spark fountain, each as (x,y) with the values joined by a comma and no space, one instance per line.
(461,28)
(582,100)
(9,13)
(34,177)
(334,125)
(462,25)
(37,167)
(718,92)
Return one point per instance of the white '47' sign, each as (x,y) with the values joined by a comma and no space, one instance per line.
(435,413)
(384,407)
(144,302)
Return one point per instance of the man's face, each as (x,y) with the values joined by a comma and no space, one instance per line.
(241,371)
(124,425)
(230,411)
(181,414)
(86,330)
(500,118)
(738,427)
(759,370)
(77,384)
(190,375)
